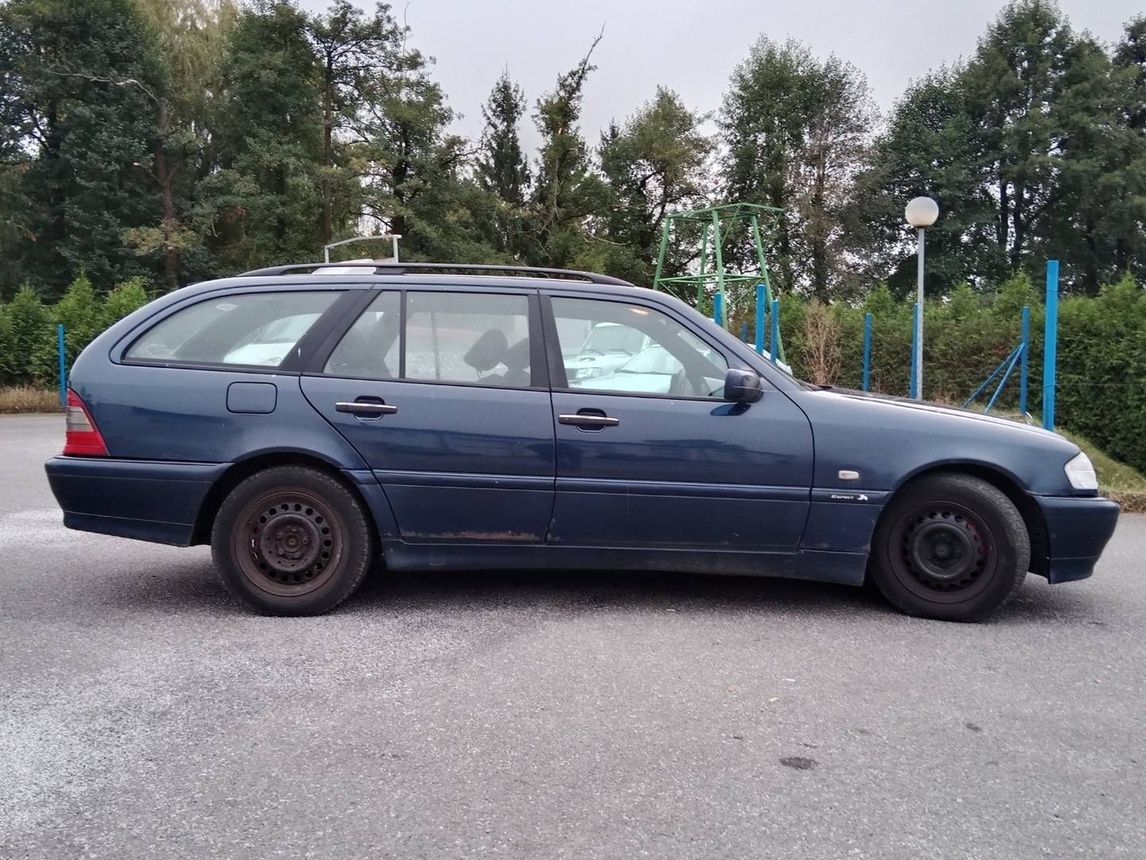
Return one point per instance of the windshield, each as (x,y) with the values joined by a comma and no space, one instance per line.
(655,359)
(610,337)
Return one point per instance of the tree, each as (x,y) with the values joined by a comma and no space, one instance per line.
(125,298)
(929,148)
(1094,216)
(7,351)
(1029,149)
(74,124)
(1128,211)
(654,164)
(501,167)
(80,312)
(191,37)
(28,329)
(405,159)
(1010,86)
(353,52)
(261,203)
(566,191)
(795,130)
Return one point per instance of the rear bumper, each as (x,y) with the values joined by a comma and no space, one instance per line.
(1077,531)
(144,500)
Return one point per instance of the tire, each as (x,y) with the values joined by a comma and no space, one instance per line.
(291,540)
(951,547)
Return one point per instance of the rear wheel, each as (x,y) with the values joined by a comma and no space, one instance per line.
(951,547)
(291,540)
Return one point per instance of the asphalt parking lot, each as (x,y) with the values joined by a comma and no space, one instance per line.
(144,714)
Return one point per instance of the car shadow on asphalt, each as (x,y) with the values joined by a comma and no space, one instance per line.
(601,590)
(194,588)
(1035,603)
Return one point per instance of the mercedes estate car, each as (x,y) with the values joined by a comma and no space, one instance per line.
(310,423)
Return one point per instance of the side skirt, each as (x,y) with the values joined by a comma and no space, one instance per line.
(846,568)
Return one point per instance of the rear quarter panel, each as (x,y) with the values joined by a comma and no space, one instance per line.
(181,414)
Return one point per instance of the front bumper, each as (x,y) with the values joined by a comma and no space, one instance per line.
(140,499)
(1078,528)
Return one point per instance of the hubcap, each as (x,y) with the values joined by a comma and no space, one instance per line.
(943,549)
(288,543)
(291,542)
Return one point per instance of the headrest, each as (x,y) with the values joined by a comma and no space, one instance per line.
(487,351)
(517,356)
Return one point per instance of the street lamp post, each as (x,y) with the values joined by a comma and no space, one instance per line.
(920,213)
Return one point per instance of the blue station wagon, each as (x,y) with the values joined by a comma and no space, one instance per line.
(307,422)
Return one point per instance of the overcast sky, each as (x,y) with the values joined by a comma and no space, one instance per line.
(692,46)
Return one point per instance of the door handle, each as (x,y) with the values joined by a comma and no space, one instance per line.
(364,407)
(583,420)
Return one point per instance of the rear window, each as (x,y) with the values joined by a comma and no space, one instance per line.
(252,330)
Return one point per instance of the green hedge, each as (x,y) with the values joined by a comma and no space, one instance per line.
(1101,388)
(28,348)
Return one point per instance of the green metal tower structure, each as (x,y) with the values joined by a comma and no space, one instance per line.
(719,224)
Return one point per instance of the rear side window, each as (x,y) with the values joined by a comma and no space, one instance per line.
(469,338)
(253,330)
(369,350)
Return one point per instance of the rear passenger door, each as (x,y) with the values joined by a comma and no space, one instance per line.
(443,393)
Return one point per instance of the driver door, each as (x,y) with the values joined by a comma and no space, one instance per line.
(649,455)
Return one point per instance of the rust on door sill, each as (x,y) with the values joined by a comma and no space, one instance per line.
(516,537)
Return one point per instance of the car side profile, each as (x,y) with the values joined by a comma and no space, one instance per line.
(309,422)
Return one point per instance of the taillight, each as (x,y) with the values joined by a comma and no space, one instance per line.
(83,439)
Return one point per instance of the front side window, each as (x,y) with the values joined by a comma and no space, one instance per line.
(252,329)
(631,349)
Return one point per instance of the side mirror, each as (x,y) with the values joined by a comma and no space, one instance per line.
(742,386)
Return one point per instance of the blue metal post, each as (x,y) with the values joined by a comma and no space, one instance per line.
(1050,350)
(718,308)
(1010,365)
(62,356)
(775,335)
(761,314)
(866,350)
(914,351)
(1025,366)
(744,332)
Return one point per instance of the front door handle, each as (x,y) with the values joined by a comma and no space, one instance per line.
(371,408)
(582,419)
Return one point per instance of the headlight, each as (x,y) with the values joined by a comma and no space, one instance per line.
(1080,473)
(587,373)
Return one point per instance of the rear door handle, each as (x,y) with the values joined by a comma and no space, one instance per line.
(588,420)
(364,407)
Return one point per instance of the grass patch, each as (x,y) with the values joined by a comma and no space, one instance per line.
(25,398)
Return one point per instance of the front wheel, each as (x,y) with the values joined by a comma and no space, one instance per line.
(291,540)
(951,547)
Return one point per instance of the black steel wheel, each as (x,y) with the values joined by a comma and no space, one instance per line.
(291,540)
(951,547)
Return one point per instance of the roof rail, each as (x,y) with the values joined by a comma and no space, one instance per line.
(489,269)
